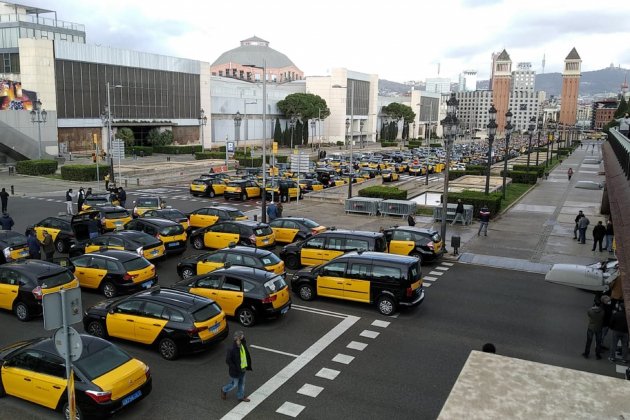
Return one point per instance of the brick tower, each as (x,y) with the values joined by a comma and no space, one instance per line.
(570,88)
(501,87)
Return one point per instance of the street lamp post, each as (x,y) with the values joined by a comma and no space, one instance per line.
(38,115)
(508,133)
(292,122)
(386,123)
(361,125)
(203,120)
(312,134)
(351,139)
(107,117)
(492,131)
(548,144)
(237,128)
(350,168)
(539,127)
(530,131)
(450,124)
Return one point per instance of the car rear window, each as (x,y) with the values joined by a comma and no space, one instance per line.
(235,213)
(415,273)
(57,279)
(263,231)
(380,245)
(147,202)
(172,230)
(310,224)
(275,285)
(136,264)
(198,182)
(15,239)
(116,214)
(207,312)
(97,363)
(270,259)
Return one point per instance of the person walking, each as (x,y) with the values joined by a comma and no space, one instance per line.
(411,221)
(49,246)
(80,199)
(4,198)
(69,205)
(459,212)
(610,235)
(106,179)
(576,228)
(599,232)
(6,221)
(239,361)
(484,219)
(122,196)
(570,173)
(619,327)
(272,211)
(624,124)
(595,323)
(88,192)
(607,307)
(582,226)
(34,250)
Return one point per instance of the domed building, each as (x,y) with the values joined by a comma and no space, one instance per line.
(246,63)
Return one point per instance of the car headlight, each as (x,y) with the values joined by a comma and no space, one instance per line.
(7,253)
(139,251)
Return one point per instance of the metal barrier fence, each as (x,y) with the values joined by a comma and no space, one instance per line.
(621,146)
(364,205)
(450,213)
(401,208)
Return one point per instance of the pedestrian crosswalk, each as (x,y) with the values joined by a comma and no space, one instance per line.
(434,275)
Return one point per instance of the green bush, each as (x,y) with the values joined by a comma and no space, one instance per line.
(146,150)
(83,172)
(540,169)
(522,177)
(435,145)
(178,150)
(387,193)
(209,155)
(250,163)
(389,144)
(478,199)
(282,159)
(414,144)
(340,143)
(455,174)
(36,167)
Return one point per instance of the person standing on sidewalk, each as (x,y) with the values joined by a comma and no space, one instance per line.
(459,212)
(595,322)
(599,232)
(411,221)
(619,327)
(49,246)
(610,235)
(607,307)
(34,250)
(484,218)
(582,226)
(576,228)
(570,173)
(6,221)
(106,179)
(239,361)
(4,198)
(69,204)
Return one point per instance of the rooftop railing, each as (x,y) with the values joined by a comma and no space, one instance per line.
(42,21)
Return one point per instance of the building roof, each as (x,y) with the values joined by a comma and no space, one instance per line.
(504,56)
(253,51)
(573,55)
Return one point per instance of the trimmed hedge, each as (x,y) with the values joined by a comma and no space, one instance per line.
(540,169)
(247,152)
(435,145)
(478,199)
(209,155)
(178,150)
(456,174)
(36,167)
(146,150)
(83,172)
(522,177)
(380,191)
(250,163)
(388,144)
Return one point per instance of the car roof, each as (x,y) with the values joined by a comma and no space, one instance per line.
(250,273)
(173,297)
(158,221)
(37,267)
(90,344)
(122,256)
(225,208)
(247,250)
(129,234)
(414,229)
(110,209)
(302,219)
(380,257)
(352,232)
(4,234)
(251,223)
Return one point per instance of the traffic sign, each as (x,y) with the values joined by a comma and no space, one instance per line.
(73,340)
(230,147)
(299,163)
(274,147)
(53,315)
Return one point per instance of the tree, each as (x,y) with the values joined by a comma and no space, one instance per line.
(305,106)
(157,138)
(153,137)
(277,132)
(622,108)
(400,112)
(126,134)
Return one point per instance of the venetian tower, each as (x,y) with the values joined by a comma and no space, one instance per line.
(570,88)
(501,87)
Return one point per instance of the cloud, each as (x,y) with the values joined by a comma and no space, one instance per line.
(480,3)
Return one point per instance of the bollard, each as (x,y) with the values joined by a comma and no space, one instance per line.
(255,218)
(70,156)
(12,190)
(168,158)
(125,182)
(137,181)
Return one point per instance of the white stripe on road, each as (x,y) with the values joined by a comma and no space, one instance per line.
(427,285)
(280,378)
(442,268)
(369,334)
(317,312)
(448,264)
(436,273)
(322,311)
(357,345)
(343,358)
(382,324)
(326,373)
(272,350)
(429,278)
(310,390)
(290,409)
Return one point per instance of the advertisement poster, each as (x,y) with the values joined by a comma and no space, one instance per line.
(13,97)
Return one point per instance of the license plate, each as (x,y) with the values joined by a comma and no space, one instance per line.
(147,284)
(131,397)
(24,254)
(118,223)
(265,241)
(173,244)
(155,252)
(214,328)
(285,310)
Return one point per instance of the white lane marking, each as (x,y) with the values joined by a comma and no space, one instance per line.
(322,311)
(427,284)
(273,351)
(382,324)
(310,390)
(280,378)
(369,334)
(395,316)
(290,409)
(448,264)
(317,312)
(343,358)
(435,273)
(442,268)
(326,373)
(429,278)
(620,368)
(356,345)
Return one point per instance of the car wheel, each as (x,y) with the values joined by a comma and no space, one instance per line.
(386,305)
(66,412)
(417,255)
(306,292)
(197,242)
(187,272)
(211,194)
(168,349)
(96,329)
(194,194)
(244,197)
(109,289)
(60,246)
(246,317)
(292,261)
(22,312)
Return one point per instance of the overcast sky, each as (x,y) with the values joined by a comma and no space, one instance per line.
(399,40)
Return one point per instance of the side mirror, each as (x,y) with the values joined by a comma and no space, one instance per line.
(110,311)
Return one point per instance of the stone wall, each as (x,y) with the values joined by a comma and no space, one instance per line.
(185,135)
(79,139)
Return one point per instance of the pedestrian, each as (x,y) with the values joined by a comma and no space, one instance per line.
(122,196)
(69,206)
(411,220)
(49,246)
(570,173)
(88,192)
(624,124)
(484,218)
(6,221)
(279,209)
(34,250)
(610,235)
(595,323)
(607,307)
(582,226)
(80,199)
(239,362)
(599,232)
(459,212)
(619,327)
(576,228)
(272,211)
(106,178)
(4,198)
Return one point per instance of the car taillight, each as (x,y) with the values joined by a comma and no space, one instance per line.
(409,292)
(99,396)
(270,299)
(127,277)
(147,372)
(195,330)
(252,239)
(314,231)
(37,292)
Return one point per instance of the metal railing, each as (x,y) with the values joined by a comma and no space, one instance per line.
(12,17)
(621,146)
(364,205)
(402,208)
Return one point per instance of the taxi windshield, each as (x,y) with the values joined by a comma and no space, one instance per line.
(118,214)
(96,361)
(56,279)
(147,202)
(136,264)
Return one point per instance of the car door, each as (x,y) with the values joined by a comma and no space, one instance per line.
(312,252)
(49,225)
(208,287)
(230,295)
(335,246)
(211,262)
(357,282)
(331,279)
(400,242)
(20,378)
(211,237)
(278,229)
(253,189)
(150,323)
(122,319)
(97,270)
(82,271)
(97,244)
(290,229)
(48,379)
(9,288)
(230,235)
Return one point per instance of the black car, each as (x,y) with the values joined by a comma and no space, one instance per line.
(128,240)
(174,321)
(241,232)
(170,214)
(425,244)
(13,246)
(68,230)
(172,234)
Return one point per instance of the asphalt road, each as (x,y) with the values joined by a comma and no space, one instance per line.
(405,370)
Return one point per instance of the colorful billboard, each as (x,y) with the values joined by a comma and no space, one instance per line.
(12,96)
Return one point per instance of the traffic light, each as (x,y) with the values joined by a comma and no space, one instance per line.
(94,157)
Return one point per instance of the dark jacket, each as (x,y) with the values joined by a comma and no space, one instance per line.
(410,220)
(608,311)
(599,231)
(4,196)
(122,195)
(33,245)
(460,208)
(233,359)
(595,318)
(6,222)
(578,217)
(48,244)
(609,229)
(484,215)
(618,322)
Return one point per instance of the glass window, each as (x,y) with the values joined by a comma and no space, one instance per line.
(114,241)
(359,271)
(207,312)
(81,261)
(386,274)
(335,269)
(249,261)
(290,224)
(98,263)
(356,244)
(103,357)
(402,235)
(315,243)
(153,310)
(136,264)
(248,286)
(217,228)
(232,283)
(277,223)
(131,307)
(234,258)
(172,315)
(211,282)
(215,257)
(336,243)
(231,228)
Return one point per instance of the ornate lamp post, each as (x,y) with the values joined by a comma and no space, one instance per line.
(530,131)
(38,115)
(450,124)
(540,126)
(292,122)
(237,128)
(203,120)
(351,168)
(508,133)
(312,134)
(492,131)
(361,125)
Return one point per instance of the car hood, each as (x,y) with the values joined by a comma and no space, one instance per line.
(580,276)
(306,271)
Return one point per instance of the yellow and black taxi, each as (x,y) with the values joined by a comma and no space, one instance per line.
(311,185)
(389,281)
(242,190)
(330,244)
(246,293)
(367,173)
(113,272)
(106,378)
(170,214)
(292,229)
(223,176)
(425,244)
(142,204)
(68,230)
(416,170)
(233,255)
(141,243)
(171,233)
(208,216)
(207,187)
(96,200)
(23,283)
(222,234)
(390,176)
(13,245)
(112,217)
(283,190)
(174,321)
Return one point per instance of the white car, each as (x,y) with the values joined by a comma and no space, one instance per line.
(597,277)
